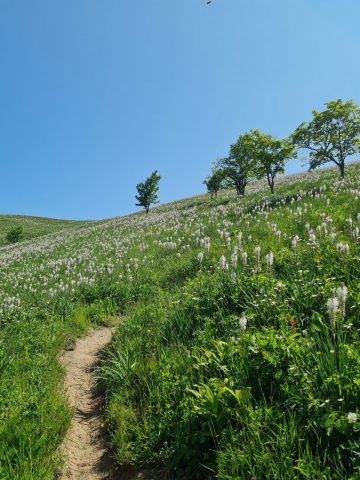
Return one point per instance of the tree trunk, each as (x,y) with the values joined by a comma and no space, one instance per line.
(270,180)
(243,185)
(342,169)
(271,183)
(240,187)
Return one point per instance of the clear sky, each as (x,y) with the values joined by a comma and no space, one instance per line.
(96,94)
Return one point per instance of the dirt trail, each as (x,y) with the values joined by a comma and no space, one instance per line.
(84,449)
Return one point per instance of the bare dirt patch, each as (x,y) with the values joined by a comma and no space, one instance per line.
(85,452)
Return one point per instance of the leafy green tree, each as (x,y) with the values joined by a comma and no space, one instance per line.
(147,191)
(270,155)
(214,181)
(239,168)
(332,135)
(14,235)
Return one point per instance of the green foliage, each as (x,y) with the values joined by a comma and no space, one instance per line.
(266,448)
(14,235)
(219,369)
(147,191)
(270,156)
(187,388)
(239,167)
(123,422)
(332,135)
(254,155)
(34,226)
(215,181)
(33,414)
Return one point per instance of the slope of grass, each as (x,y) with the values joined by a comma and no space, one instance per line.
(193,385)
(34,226)
(221,368)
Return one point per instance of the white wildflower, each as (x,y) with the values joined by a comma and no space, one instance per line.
(234,259)
(257,251)
(242,323)
(332,306)
(341,293)
(244,256)
(295,242)
(270,261)
(223,263)
(352,416)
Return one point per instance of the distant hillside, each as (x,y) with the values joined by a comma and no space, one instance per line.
(34,226)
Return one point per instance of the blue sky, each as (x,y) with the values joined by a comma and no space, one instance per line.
(96,94)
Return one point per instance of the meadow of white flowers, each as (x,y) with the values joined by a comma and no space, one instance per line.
(59,263)
(281,269)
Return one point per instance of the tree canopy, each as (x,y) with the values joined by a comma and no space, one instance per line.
(254,155)
(239,168)
(214,181)
(332,135)
(269,155)
(147,191)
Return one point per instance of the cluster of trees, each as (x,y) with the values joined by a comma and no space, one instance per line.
(331,136)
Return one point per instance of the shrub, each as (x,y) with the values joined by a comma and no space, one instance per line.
(14,235)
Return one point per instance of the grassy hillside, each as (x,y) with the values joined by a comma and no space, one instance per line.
(238,353)
(34,226)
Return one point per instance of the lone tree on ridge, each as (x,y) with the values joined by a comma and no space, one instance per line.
(147,191)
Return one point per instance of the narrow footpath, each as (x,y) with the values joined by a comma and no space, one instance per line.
(84,449)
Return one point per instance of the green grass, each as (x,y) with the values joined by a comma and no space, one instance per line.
(34,416)
(186,387)
(34,226)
